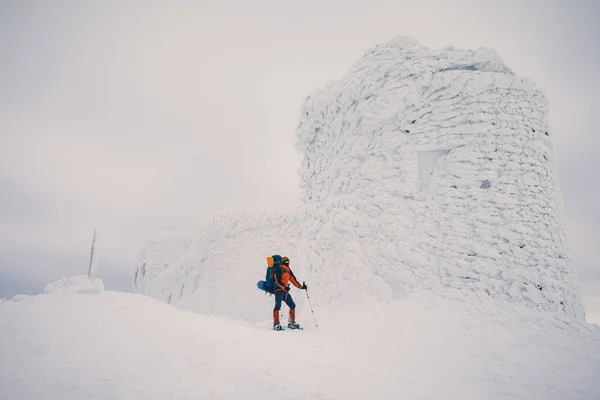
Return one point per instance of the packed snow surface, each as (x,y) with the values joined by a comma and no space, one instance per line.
(423,169)
(83,344)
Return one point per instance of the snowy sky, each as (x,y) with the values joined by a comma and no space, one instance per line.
(134,116)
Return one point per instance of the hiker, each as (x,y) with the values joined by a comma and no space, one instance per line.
(283,276)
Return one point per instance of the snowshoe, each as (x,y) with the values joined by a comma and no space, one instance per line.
(294,325)
(278,327)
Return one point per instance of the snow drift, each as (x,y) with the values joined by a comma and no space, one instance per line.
(78,284)
(422,169)
(73,344)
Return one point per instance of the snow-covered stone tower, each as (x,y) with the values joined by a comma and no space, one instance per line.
(447,158)
(422,169)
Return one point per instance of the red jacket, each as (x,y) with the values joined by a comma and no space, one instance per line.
(283,276)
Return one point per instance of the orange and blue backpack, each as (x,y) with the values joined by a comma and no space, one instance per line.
(268,285)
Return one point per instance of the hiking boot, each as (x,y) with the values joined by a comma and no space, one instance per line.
(293,325)
(277,327)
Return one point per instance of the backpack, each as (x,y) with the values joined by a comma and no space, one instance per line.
(268,285)
(270,277)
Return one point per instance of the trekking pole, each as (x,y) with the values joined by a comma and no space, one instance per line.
(311,309)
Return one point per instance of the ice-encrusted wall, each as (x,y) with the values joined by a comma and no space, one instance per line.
(422,169)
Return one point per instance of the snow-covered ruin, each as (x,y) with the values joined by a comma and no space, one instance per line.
(423,168)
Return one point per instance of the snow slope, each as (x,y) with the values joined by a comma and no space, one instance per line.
(423,169)
(77,343)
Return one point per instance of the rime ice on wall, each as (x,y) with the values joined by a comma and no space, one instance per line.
(215,270)
(422,169)
(158,254)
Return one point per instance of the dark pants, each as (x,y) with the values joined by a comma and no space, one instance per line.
(283,296)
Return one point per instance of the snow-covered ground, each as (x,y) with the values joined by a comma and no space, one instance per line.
(78,343)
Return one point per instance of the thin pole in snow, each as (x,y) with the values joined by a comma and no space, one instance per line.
(93,257)
(311,309)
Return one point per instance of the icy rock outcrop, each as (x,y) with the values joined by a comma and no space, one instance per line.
(75,284)
(422,169)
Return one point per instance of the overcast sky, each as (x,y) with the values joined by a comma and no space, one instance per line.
(135,116)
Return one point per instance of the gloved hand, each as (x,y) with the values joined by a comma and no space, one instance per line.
(287,288)
(304,286)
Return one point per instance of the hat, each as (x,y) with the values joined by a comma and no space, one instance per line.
(276,259)
(285,260)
